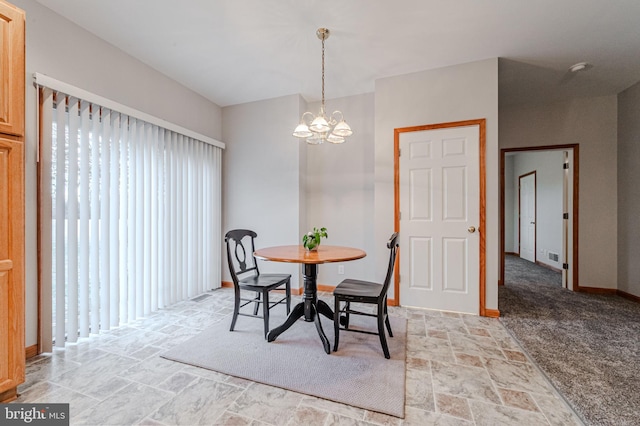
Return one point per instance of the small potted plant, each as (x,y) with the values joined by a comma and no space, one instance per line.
(311,240)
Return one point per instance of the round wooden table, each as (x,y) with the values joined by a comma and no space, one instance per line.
(310,306)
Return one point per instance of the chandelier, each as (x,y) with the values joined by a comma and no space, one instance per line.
(319,128)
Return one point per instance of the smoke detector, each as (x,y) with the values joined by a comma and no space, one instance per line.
(580,66)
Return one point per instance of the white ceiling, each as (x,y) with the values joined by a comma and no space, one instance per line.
(236,51)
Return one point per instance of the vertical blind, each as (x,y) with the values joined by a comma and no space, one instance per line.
(133,213)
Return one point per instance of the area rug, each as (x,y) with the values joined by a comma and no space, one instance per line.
(588,345)
(357,374)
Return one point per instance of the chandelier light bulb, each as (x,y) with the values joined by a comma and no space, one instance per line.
(333,138)
(315,140)
(342,129)
(319,125)
(302,131)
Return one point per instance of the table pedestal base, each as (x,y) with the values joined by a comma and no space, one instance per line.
(309,308)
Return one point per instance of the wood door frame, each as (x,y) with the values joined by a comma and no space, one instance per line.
(576,174)
(482,141)
(535,212)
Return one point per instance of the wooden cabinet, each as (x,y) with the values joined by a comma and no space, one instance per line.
(12,70)
(12,288)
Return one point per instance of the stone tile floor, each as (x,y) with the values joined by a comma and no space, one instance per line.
(461,370)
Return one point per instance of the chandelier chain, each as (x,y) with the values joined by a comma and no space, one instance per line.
(323,74)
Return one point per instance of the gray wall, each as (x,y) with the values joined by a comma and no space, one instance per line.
(549,176)
(591,123)
(62,50)
(340,188)
(263,171)
(628,193)
(461,92)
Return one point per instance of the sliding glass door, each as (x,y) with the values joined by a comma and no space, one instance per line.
(132,212)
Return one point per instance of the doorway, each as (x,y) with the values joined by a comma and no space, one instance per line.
(440,199)
(556,220)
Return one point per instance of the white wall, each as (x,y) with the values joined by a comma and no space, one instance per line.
(591,123)
(324,185)
(461,92)
(340,188)
(62,50)
(263,173)
(549,178)
(628,193)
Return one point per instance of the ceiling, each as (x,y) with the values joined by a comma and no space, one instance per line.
(236,51)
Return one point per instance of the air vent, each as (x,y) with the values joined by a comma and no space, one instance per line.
(553,256)
(201,297)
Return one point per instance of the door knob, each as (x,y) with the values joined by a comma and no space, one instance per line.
(471,229)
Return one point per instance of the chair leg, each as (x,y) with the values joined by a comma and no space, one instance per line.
(336,323)
(386,318)
(381,333)
(288,291)
(257,303)
(265,312)
(236,308)
(347,306)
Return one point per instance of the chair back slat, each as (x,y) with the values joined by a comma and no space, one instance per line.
(240,247)
(392,245)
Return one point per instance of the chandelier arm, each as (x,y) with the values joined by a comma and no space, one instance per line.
(307,118)
(336,117)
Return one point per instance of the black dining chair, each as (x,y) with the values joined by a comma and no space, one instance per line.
(366,292)
(246,276)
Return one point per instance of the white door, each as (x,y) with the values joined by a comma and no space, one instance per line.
(528,217)
(439,217)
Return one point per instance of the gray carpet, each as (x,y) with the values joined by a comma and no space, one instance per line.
(357,374)
(587,344)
